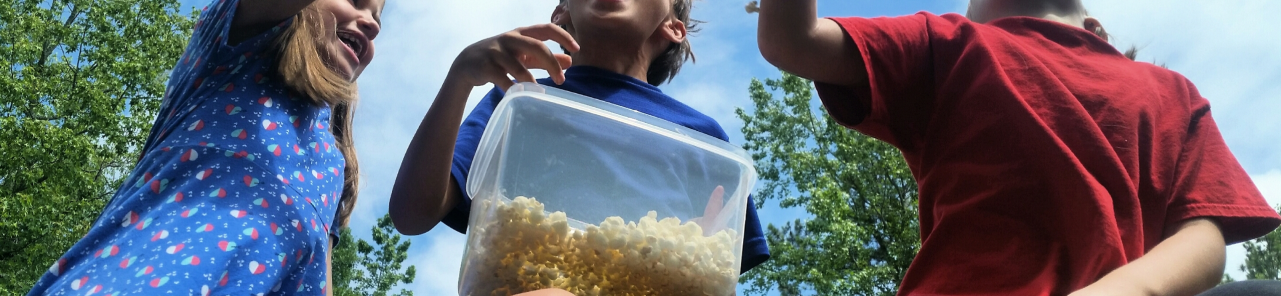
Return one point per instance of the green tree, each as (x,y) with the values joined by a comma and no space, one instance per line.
(864,230)
(1262,258)
(80,83)
(364,269)
(345,275)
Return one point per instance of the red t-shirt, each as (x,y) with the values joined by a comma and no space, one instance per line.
(1045,158)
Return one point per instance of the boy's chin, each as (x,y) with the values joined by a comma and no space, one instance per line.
(610,22)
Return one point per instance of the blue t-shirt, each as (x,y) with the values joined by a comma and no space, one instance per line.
(235,191)
(627,92)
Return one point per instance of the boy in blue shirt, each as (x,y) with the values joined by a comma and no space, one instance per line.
(620,51)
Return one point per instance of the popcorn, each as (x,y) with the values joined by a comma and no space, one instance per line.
(523,249)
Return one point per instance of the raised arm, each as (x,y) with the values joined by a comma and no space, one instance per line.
(256,16)
(425,190)
(792,37)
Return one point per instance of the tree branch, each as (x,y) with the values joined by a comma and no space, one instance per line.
(25,187)
(11,252)
(50,46)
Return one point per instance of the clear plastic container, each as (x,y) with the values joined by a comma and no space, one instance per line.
(576,193)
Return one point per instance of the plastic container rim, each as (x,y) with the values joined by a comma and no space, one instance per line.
(611,111)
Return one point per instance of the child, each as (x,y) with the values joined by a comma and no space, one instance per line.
(1048,162)
(621,52)
(246,172)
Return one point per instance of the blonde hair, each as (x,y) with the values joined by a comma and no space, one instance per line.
(303,70)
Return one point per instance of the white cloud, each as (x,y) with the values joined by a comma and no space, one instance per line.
(438,266)
(1270,185)
(419,42)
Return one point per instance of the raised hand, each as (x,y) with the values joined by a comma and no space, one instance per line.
(514,52)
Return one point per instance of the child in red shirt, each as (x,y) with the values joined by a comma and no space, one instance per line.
(1048,163)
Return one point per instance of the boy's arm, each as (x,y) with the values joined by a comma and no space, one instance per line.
(256,16)
(1190,260)
(792,37)
(425,189)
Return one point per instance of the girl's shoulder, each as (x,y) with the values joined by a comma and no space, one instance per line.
(210,64)
(214,27)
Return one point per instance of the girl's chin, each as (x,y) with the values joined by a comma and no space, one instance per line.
(345,74)
(343,70)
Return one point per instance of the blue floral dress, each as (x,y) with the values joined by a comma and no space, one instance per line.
(234,194)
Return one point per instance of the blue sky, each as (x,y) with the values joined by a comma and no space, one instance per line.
(1228,51)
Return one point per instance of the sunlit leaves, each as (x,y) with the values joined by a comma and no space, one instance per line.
(80,86)
(863,231)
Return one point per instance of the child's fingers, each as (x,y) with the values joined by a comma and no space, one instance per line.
(551,32)
(564,60)
(714,204)
(510,65)
(534,54)
(501,81)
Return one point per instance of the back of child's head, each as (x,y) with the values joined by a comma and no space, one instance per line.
(987,10)
(302,69)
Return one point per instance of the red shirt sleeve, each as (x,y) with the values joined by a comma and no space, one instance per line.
(899,57)
(1209,182)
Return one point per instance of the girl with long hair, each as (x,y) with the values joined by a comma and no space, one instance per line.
(249,168)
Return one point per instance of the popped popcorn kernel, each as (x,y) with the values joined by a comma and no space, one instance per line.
(524,249)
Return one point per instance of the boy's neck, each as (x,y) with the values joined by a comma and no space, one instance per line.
(614,55)
(1071,17)
(1075,20)
(636,66)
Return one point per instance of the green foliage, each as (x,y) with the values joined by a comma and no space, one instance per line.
(344,273)
(1263,257)
(363,269)
(864,230)
(80,83)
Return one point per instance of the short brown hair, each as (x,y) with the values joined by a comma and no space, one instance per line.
(667,64)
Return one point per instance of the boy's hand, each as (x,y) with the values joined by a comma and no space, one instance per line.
(514,52)
(714,205)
